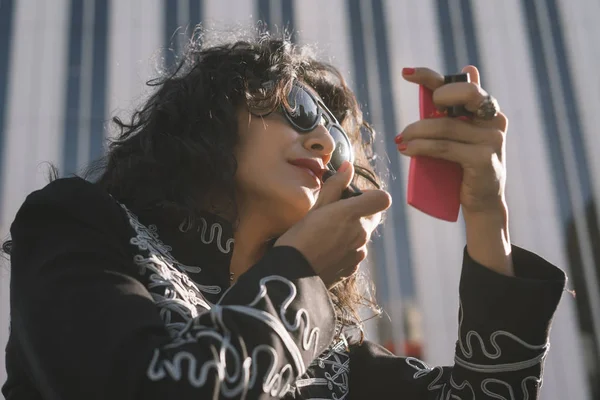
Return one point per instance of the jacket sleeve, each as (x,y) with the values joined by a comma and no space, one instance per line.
(502,341)
(88,328)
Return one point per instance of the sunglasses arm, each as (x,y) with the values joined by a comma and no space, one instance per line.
(351,191)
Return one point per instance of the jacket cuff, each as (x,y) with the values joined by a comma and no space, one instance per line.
(506,319)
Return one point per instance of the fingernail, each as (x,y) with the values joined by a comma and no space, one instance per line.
(402,147)
(345,165)
(398,139)
(408,71)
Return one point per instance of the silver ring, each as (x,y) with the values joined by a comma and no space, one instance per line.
(488,108)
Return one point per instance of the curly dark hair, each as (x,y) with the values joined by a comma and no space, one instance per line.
(177,150)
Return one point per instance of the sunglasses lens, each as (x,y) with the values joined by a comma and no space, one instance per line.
(304,111)
(343,151)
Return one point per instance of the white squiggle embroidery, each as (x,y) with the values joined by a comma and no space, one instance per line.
(467,350)
(308,336)
(216,232)
(423,370)
(511,392)
(236,376)
(148,240)
(335,366)
(182,297)
(274,384)
(461,387)
(197,373)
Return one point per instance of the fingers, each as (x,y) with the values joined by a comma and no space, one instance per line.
(432,79)
(467,155)
(423,76)
(473,74)
(466,93)
(367,204)
(451,129)
(333,187)
(470,94)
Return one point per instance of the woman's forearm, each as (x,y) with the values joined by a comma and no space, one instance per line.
(488,239)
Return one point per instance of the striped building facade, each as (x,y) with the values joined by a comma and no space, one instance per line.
(67,66)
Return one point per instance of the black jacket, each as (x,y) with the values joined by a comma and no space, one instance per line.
(107,304)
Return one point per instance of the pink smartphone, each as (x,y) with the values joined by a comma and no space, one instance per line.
(434,184)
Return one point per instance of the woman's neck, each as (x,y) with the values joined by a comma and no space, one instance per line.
(251,243)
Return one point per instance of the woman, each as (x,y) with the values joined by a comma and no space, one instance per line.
(131,286)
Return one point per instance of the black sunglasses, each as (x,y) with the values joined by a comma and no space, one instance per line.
(306,111)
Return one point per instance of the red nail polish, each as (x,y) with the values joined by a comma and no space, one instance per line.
(398,139)
(402,147)
(408,71)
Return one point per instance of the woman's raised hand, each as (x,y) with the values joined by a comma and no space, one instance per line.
(333,236)
(478,145)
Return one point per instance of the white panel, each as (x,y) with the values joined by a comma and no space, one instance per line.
(35,105)
(135,45)
(229,12)
(51,88)
(581,29)
(324,25)
(22,108)
(535,220)
(34,115)
(436,246)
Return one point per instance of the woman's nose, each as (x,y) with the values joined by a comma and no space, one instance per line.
(319,141)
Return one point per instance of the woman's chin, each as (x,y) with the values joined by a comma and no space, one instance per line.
(307,197)
(299,202)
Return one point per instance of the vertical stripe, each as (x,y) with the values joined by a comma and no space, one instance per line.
(6,36)
(570,100)
(69,164)
(263,11)
(590,301)
(404,262)
(457,34)
(447,35)
(196,13)
(183,23)
(85,87)
(383,246)
(288,17)
(230,12)
(570,192)
(99,79)
(362,95)
(170,31)
(469,34)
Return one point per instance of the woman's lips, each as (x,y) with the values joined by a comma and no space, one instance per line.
(314,166)
(311,173)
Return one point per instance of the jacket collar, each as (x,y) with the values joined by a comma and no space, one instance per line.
(207,242)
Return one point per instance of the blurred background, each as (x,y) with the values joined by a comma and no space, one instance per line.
(67,66)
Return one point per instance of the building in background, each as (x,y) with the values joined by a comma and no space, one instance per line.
(67,66)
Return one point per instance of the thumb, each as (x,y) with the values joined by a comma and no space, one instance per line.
(473,73)
(333,186)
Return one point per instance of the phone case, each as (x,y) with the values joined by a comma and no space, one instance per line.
(434,184)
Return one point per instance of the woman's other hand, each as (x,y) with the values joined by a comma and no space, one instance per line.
(333,236)
(478,145)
